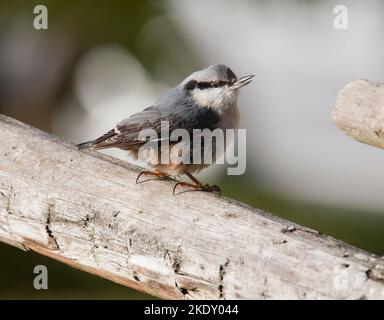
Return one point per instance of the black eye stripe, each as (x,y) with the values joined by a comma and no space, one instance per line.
(204,85)
(192,84)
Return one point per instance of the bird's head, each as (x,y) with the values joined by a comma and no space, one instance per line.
(216,87)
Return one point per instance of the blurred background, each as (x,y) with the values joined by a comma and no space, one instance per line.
(100,61)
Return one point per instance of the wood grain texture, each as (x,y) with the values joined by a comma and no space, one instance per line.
(84,209)
(359,111)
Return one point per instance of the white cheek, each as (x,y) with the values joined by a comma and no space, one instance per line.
(206,97)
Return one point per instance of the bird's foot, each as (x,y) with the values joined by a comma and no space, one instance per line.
(197,187)
(156,174)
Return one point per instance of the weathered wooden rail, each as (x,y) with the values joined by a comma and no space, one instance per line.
(84,209)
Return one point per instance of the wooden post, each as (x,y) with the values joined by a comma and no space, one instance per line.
(359,111)
(85,209)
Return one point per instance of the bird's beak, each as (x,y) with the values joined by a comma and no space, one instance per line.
(243,81)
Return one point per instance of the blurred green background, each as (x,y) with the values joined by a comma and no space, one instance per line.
(120,55)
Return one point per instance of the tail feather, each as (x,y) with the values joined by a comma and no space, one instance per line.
(85,145)
(99,143)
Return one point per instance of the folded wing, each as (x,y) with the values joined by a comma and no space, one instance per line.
(126,133)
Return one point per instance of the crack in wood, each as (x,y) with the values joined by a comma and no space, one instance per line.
(222,271)
(51,238)
(376,273)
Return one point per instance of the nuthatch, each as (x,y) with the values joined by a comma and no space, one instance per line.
(207,99)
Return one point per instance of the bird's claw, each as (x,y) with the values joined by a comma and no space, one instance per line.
(205,188)
(139,175)
(157,174)
(214,188)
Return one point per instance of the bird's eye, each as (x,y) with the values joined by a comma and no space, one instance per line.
(204,85)
(217,84)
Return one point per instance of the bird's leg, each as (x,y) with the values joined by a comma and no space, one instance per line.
(197,185)
(158,174)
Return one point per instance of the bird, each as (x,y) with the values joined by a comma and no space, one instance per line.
(206,99)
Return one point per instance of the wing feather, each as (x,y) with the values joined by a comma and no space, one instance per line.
(179,115)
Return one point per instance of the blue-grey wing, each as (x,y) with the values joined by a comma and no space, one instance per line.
(182,115)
